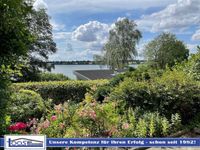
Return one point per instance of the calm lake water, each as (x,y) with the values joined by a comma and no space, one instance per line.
(69,69)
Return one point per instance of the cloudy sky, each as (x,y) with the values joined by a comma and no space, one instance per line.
(80,27)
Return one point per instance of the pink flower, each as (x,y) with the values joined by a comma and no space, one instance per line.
(92,114)
(53,118)
(46,123)
(125,126)
(32,122)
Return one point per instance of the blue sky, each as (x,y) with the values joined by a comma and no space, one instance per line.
(80,27)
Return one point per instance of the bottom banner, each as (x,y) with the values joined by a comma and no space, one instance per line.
(123,142)
(115,142)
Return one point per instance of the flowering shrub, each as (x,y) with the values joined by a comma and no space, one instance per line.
(57,121)
(17,127)
(92,119)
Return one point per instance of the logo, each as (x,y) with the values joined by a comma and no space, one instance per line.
(22,142)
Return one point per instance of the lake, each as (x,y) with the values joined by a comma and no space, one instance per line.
(69,69)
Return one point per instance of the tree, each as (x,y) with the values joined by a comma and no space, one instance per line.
(15,40)
(164,50)
(44,45)
(121,45)
(198,49)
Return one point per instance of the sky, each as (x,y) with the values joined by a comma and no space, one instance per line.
(81,27)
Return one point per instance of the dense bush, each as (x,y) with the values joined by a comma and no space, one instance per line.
(52,77)
(192,66)
(26,104)
(4,98)
(60,91)
(142,73)
(92,119)
(102,92)
(174,92)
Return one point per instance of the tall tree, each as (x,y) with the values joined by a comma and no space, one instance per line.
(121,45)
(164,50)
(15,40)
(43,46)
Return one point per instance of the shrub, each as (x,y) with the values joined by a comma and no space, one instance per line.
(102,92)
(92,119)
(60,91)
(26,104)
(52,77)
(174,92)
(4,98)
(192,66)
(117,79)
(142,73)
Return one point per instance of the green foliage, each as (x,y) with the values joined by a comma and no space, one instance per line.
(195,122)
(165,127)
(14,43)
(38,76)
(121,46)
(164,50)
(141,128)
(102,92)
(4,97)
(176,121)
(60,91)
(39,50)
(26,104)
(92,119)
(57,121)
(87,119)
(144,72)
(191,67)
(15,35)
(174,92)
(151,126)
(117,79)
(52,77)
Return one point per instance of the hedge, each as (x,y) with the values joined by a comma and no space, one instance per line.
(60,91)
(174,92)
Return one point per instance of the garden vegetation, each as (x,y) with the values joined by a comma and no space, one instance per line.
(156,99)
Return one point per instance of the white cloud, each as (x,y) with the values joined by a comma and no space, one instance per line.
(61,35)
(175,17)
(40,4)
(196,35)
(91,31)
(192,48)
(69,6)
(57,26)
(70,49)
(94,34)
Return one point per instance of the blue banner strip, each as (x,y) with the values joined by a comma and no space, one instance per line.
(120,142)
